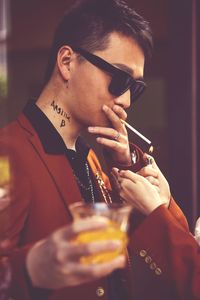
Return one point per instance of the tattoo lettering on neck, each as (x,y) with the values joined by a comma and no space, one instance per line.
(63,123)
(60,111)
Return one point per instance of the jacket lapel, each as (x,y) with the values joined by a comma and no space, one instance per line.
(57,166)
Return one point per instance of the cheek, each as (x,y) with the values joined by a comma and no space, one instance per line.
(90,92)
(91,83)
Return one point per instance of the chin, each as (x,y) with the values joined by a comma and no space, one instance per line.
(103,122)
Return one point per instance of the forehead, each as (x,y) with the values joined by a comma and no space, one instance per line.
(123,50)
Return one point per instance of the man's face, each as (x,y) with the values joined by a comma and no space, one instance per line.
(89,84)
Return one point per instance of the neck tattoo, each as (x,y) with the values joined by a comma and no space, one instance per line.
(60,112)
(62,123)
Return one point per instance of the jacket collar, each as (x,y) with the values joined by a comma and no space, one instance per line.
(56,165)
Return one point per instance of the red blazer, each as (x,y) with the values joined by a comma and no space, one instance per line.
(43,188)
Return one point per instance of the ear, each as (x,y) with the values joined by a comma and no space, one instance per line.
(63,61)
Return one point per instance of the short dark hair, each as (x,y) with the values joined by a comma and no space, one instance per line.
(89,23)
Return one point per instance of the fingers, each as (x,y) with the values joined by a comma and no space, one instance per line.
(3,192)
(114,115)
(116,134)
(138,178)
(113,118)
(139,192)
(115,176)
(108,133)
(120,112)
(68,247)
(150,161)
(87,273)
(163,187)
(4,202)
(134,178)
(115,139)
(61,261)
(198,223)
(68,258)
(103,269)
(153,180)
(115,172)
(113,145)
(73,251)
(150,174)
(129,175)
(147,171)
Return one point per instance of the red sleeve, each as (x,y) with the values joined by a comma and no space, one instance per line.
(136,165)
(169,251)
(178,214)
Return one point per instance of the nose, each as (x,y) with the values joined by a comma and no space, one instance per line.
(124,100)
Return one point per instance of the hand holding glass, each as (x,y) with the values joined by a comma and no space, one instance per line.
(117,217)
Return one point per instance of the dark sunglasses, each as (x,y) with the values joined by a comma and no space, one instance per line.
(121,80)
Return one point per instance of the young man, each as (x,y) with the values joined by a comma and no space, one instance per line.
(95,73)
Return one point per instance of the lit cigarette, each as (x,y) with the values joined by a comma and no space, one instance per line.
(139,134)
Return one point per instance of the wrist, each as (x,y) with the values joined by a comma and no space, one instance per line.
(154,205)
(130,162)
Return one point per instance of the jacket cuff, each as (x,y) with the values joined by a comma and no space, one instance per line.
(137,161)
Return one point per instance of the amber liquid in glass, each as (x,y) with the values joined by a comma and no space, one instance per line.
(113,232)
(4,171)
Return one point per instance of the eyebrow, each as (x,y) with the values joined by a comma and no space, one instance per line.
(124,68)
(127,70)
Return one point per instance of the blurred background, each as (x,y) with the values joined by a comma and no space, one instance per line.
(168,111)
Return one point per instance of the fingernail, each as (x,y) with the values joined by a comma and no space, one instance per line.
(122,260)
(115,107)
(149,160)
(115,170)
(90,129)
(105,107)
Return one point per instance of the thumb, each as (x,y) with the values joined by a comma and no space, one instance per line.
(126,174)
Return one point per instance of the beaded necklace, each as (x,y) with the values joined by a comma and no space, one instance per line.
(90,187)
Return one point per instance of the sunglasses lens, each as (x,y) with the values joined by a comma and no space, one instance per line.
(120,84)
(137,89)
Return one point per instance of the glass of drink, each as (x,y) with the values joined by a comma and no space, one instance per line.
(117,216)
(5,181)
